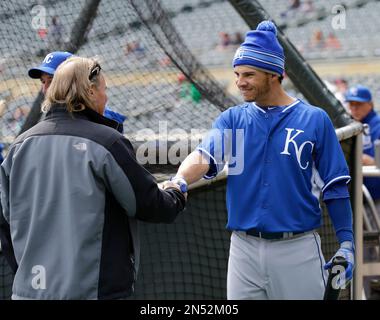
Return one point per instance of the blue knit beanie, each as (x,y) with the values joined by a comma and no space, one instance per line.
(261,49)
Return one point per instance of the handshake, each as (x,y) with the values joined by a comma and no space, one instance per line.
(177,182)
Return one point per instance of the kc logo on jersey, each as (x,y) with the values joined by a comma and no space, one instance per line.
(290,138)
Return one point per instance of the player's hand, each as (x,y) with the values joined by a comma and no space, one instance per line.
(171,184)
(168,184)
(367,160)
(347,251)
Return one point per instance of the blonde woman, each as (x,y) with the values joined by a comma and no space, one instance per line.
(72,191)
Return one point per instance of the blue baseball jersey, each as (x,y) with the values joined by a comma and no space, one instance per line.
(373,121)
(279,161)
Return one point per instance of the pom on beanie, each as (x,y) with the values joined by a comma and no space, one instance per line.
(267,26)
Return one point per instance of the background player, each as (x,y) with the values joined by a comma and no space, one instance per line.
(281,153)
(359,99)
(360,104)
(45,72)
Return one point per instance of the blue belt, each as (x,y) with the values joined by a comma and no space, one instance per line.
(272,235)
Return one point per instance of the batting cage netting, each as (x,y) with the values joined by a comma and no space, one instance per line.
(160,63)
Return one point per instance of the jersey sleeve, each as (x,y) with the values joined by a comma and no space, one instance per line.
(212,146)
(336,190)
(329,158)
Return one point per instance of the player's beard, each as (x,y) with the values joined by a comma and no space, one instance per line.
(258,92)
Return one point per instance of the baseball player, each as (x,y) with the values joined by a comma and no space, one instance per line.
(360,104)
(281,154)
(45,72)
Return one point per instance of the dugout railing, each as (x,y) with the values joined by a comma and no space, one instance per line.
(371,236)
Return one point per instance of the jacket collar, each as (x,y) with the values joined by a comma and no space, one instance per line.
(59,110)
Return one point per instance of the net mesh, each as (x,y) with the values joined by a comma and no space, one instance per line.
(187,260)
(156,77)
(6,279)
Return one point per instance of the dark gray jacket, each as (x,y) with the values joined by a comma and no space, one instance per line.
(71,193)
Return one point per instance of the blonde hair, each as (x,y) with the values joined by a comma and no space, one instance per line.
(71,84)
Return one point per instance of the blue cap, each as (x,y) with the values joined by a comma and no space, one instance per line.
(108,113)
(261,49)
(50,64)
(358,93)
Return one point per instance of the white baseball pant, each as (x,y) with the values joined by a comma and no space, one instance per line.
(288,269)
